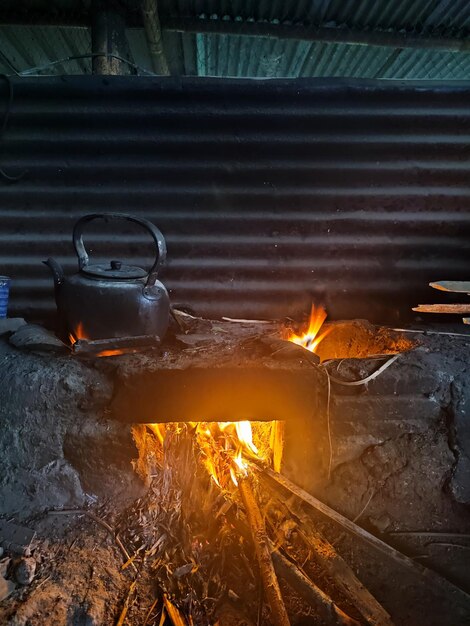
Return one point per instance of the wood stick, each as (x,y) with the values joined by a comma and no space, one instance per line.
(454,286)
(431,576)
(127,603)
(272,591)
(175,615)
(326,608)
(149,612)
(305,587)
(461,309)
(327,557)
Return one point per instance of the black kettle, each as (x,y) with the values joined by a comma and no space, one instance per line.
(109,300)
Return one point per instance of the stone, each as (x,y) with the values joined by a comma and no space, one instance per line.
(25,570)
(16,538)
(38,339)
(11,324)
(381,523)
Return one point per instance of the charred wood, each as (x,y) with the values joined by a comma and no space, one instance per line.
(326,608)
(271,587)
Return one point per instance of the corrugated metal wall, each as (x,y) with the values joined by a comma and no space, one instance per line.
(270,193)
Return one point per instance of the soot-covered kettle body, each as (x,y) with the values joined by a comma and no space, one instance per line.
(111,299)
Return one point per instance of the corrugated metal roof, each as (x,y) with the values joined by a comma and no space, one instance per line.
(269,193)
(236,56)
(242,56)
(261,57)
(412,15)
(33,46)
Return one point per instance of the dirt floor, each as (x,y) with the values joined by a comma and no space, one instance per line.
(81,578)
(78,578)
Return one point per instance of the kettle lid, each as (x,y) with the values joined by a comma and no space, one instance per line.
(114,270)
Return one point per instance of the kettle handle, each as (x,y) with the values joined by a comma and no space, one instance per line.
(152,229)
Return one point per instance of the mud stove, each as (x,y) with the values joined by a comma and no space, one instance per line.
(228,476)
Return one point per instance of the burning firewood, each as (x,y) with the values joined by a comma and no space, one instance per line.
(291,573)
(189,549)
(283,349)
(201,524)
(270,583)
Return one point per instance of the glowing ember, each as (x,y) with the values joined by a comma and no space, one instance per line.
(114,352)
(312,337)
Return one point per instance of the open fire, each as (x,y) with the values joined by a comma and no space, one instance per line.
(79,334)
(230,453)
(312,337)
(228,447)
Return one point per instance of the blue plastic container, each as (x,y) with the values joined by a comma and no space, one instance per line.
(4,292)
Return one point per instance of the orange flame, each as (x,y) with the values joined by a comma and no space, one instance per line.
(311,338)
(77,334)
(241,468)
(234,439)
(159,430)
(245,436)
(227,447)
(231,438)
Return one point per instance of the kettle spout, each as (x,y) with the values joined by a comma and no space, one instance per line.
(57,271)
